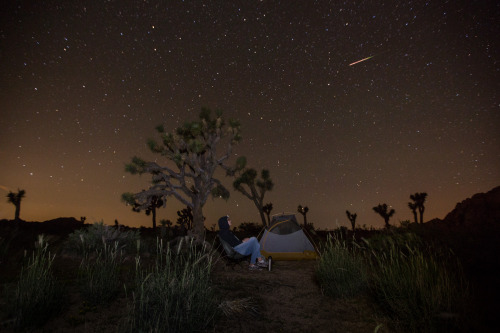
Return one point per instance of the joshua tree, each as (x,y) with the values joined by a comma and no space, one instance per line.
(413,208)
(303,211)
(254,189)
(185,219)
(418,201)
(155,201)
(192,156)
(352,219)
(15,199)
(267,210)
(382,211)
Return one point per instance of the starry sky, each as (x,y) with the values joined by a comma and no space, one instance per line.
(84,84)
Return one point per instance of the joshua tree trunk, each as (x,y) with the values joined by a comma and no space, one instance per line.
(18,212)
(198,223)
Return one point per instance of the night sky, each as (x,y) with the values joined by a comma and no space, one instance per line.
(84,84)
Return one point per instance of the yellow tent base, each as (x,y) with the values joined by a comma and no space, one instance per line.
(306,255)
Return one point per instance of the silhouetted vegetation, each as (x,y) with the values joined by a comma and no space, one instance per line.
(267,210)
(254,188)
(185,219)
(191,152)
(386,215)
(15,199)
(154,202)
(303,211)
(352,219)
(418,203)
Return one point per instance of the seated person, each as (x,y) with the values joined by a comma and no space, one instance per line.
(248,246)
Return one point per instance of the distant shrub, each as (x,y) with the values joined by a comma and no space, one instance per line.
(37,296)
(249,228)
(98,235)
(176,294)
(341,271)
(99,278)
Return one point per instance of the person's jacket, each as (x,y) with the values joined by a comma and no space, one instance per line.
(226,234)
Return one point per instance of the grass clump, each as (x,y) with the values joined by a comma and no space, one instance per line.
(341,271)
(96,236)
(175,295)
(99,278)
(421,290)
(37,296)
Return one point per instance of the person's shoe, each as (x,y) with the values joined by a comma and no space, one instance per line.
(263,263)
(254,267)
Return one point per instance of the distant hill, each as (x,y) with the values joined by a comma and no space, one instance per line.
(61,225)
(481,209)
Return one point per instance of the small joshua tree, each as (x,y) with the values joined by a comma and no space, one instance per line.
(154,202)
(413,207)
(185,219)
(254,188)
(15,199)
(386,215)
(267,210)
(303,211)
(352,219)
(418,201)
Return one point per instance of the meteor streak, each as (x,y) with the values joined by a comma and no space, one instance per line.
(354,63)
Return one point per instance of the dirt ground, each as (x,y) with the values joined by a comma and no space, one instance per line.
(288,299)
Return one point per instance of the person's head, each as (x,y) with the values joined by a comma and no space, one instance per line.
(224,222)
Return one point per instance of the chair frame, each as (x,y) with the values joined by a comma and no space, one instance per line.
(231,256)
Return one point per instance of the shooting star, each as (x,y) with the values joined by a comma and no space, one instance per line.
(354,63)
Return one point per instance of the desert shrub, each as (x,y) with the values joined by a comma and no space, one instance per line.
(97,235)
(98,276)
(175,295)
(421,290)
(341,271)
(37,296)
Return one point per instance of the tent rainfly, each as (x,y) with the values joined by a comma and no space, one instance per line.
(284,239)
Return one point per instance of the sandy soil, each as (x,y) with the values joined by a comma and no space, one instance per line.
(288,299)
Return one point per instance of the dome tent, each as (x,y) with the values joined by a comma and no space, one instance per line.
(284,239)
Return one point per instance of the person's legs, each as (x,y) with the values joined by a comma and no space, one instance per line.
(252,246)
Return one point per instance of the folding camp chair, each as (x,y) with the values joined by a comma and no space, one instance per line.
(232,257)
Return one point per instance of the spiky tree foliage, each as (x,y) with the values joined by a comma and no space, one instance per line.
(267,210)
(254,188)
(352,219)
(418,201)
(185,219)
(15,199)
(154,202)
(413,208)
(386,215)
(303,211)
(191,155)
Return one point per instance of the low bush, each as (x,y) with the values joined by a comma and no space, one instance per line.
(96,236)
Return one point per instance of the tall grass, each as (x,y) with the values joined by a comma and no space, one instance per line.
(99,278)
(37,296)
(175,295)
(342,269)
(419,289)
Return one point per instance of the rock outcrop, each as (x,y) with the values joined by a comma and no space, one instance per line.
(480,209)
